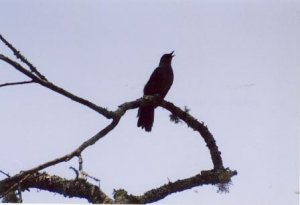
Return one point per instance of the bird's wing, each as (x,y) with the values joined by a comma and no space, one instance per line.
(153,85)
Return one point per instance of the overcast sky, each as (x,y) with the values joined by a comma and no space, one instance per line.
(237,68)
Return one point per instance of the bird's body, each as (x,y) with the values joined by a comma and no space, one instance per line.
(159,84)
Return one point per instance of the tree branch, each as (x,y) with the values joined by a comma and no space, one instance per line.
(51,86)
(80,188)
(69,188)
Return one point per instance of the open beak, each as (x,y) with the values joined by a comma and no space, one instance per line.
(172,54)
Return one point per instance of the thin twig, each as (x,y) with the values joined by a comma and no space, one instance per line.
(22,58)
(80,163)
(82,174)
(16,83)
(6,174)
(76,171)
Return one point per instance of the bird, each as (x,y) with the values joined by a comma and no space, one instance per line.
(159,83)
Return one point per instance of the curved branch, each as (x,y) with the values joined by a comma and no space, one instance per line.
(183,115)
(199,127)
(22,176)
(206,177)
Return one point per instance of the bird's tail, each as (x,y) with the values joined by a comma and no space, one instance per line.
(146,117)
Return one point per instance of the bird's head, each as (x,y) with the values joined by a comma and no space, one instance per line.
(166,59)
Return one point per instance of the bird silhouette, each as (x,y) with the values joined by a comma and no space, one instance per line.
(159,83)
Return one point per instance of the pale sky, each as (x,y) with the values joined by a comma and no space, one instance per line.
(237,68)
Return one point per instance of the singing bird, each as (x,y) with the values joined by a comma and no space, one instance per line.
(159,83)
